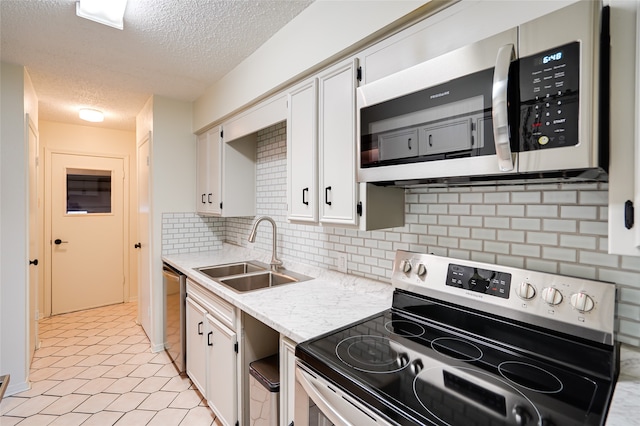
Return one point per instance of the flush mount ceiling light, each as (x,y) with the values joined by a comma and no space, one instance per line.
(92,115)
(107,12)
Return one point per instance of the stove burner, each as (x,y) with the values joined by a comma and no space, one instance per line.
(530,377)
(456,348)
(371,354)
(492,405)
(404,328)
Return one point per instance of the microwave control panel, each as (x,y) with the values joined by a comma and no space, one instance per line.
(549,95)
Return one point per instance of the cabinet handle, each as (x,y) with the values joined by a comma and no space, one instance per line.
(326,195)
(305,191)
(209,198)
(291,424)
(409,144)
(430,139)
(203,202)
(33,262)
(200,328)
(209,334)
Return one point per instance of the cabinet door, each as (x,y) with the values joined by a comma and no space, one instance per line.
(302,153)
(202,174)
(337,144)
(215,171)
(195,335)
(222,379)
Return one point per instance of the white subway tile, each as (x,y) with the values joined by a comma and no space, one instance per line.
(529,197)
(578,241)
(578,212)
(561,254)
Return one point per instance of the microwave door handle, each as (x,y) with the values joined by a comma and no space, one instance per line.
(499,104)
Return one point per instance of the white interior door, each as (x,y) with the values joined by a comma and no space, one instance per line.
(34,237)
(87,232)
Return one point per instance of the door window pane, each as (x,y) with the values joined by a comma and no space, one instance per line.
(88,191)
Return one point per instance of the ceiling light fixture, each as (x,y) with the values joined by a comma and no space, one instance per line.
(107,12)
(92,115)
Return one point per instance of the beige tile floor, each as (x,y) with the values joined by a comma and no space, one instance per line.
(95,367)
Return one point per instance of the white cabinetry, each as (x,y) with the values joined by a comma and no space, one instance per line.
(624,168)
(302,155)
(324,108)
(226,174)
(336,144)
(221,343)
(212,352)
(208,176)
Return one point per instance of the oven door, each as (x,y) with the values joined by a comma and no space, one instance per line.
(317,403)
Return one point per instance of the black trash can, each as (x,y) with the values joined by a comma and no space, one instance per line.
(264,391)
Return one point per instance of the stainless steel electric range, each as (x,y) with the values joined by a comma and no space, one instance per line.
(467,343)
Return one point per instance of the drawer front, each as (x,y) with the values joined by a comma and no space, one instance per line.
(222,310)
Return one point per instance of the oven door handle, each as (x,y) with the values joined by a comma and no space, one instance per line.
(499,107)
(323,404)
(332,404)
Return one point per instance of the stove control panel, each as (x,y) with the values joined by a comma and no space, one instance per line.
(549,300)
(485,281)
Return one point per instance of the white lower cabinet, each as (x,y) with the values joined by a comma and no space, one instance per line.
(221,343)
(222,377)
(212,355)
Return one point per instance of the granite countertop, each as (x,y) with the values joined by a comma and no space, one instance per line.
(626,397)
(298,311)
(331,300)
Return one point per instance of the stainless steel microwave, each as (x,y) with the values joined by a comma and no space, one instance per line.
(528,103)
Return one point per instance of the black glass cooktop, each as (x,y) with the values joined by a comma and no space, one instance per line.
(452,366)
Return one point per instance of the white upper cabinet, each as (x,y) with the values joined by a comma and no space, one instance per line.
(302,155)
(624,169)
(226,174)
(208,196)
(321,162)
(336,144)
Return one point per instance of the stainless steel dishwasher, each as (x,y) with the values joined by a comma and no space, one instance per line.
(175,288)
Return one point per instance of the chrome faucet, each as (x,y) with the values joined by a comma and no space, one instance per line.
(275,262)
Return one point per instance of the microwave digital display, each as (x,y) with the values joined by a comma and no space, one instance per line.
(549,98)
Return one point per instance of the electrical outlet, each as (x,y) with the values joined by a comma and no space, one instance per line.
(342,262)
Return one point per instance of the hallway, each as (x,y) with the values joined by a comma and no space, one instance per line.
(95,367)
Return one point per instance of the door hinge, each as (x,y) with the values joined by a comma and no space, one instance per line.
(628,214)
(359,208)
(359,74)
(235,347)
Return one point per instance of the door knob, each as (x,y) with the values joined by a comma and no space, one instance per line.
(137,245)
(33,262)
(58,241)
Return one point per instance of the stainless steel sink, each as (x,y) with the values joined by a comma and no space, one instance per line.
(238,268)
(249,276)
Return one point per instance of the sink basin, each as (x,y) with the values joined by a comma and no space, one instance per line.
(260,280)
(238,268)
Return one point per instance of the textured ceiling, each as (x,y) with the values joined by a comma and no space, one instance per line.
(173,48)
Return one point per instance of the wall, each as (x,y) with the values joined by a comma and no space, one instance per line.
(173,183)
(555,228)
(320,32)
(62,137)
(17,98)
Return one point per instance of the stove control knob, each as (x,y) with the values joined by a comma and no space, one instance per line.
(582,302)
(526,291)
(422,270)
(405,266)
(551,295)
(520,415)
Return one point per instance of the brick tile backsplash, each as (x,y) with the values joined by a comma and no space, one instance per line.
(556,228)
